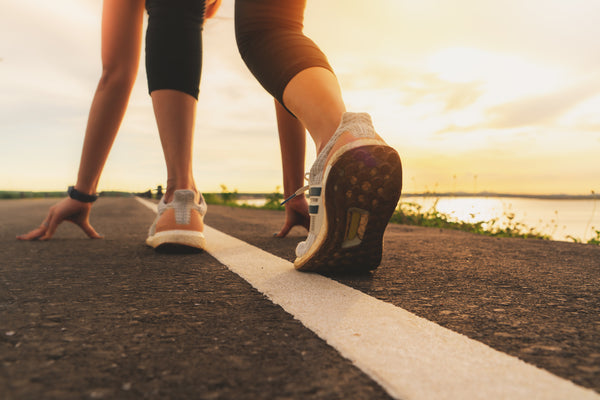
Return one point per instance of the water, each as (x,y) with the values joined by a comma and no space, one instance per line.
(556,218)
(560,219)
(257,202)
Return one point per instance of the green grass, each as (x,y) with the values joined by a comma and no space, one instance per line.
(594,240)
(413,214)
(229,198)
(13,194)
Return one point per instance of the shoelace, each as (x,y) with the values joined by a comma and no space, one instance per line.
(299,191)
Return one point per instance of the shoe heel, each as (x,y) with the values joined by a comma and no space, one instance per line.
(362,191)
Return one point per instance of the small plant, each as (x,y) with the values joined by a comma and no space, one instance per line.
(228,197)
(595,240)
(212,198)
(224,198)
(591,219)
(274,200)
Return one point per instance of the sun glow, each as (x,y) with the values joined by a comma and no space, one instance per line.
(505,76)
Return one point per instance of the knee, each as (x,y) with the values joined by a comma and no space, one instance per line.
(118,75)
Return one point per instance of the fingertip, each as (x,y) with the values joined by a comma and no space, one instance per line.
(284,231)
(90,231)
(28,236)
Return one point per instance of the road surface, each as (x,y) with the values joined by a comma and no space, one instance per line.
(112,318)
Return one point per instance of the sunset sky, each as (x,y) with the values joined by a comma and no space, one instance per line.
(476,95)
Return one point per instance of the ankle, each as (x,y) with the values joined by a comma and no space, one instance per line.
(298,202)
(168,196)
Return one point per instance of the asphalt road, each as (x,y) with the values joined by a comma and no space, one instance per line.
(112,318)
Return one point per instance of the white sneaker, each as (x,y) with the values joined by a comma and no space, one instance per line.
(179,223)
(352,195)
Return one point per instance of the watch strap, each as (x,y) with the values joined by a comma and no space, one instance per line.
(79,196)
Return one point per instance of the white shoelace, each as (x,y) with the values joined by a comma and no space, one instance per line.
(299,191)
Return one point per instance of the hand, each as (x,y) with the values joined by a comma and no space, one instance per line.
(67,209)
(296,214)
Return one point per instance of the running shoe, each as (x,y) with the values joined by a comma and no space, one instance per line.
(353,194)
(179,223)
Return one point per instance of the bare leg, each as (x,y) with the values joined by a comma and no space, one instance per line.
(292,141)
(314,96)
(179,221)
(121,46)
(175,115)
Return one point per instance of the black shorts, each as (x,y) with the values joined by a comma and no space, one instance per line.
(269,36)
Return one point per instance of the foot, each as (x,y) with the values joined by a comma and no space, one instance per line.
(179,222)
(354,187)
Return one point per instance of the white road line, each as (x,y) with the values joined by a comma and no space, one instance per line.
(410,357)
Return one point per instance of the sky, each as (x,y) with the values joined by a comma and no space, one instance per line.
(476,95)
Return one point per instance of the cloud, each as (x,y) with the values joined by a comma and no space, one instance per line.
(541,109)
(454,95)
(413,86)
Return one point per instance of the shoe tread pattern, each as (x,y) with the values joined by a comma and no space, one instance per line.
(367,178)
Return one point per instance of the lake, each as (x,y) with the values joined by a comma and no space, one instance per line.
(557,218)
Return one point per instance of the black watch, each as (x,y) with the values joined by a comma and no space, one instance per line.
(79,196)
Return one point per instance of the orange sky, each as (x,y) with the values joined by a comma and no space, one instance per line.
(475,95)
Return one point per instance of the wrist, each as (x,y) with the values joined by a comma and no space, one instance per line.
(86,185)
(81,196)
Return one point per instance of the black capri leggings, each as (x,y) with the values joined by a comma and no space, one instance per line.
(174,45)
(269,37)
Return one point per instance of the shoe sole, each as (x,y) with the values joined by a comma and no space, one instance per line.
(361,193)
(177,238)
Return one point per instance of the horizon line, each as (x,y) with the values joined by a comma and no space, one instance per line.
(551,196)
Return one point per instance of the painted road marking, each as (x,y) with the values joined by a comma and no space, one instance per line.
(410,357)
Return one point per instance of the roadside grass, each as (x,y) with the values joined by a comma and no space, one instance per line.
(595,240)
(231,198)
(13,194)
(409,213)
(413,214)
